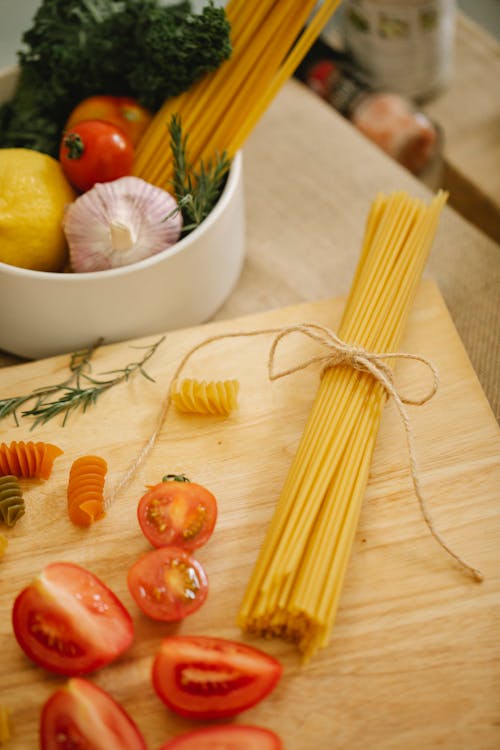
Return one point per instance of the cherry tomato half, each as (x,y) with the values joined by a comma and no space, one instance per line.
(177,512)
(70,622)
(81,716)
(95,151)
(122,111)
(168,584)
(234,736)
(201,677)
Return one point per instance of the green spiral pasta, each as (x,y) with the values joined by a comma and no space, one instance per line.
(11,500)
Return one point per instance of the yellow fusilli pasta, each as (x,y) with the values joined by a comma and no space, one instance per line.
(11,500)
(200,397)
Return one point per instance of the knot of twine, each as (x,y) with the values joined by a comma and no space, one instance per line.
(338,352)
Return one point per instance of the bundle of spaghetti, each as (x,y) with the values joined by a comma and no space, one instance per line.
(269,40)
(295,586)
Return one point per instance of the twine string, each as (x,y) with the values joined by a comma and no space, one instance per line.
(338,353)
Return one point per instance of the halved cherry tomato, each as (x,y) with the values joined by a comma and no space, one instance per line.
(69,622)
(201,677)
(81,716)
(230,736)
(122,111)
(168,584)
(178,512)
(95,151)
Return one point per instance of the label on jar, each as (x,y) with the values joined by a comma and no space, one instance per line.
(405,47)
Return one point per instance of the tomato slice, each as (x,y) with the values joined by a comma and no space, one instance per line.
(82,716)
(177,512)
(168,584)
(228,737)
(69,622)
(201,677)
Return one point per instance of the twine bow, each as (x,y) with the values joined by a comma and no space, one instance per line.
(339,352)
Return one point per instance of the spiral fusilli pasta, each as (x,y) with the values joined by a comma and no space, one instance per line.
(199,397)
(85,490)
(11,500)
(28,460)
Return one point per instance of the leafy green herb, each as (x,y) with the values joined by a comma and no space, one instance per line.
(197,190)
(78,48)
(79,391)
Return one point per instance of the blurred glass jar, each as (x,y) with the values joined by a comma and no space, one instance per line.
(404,46)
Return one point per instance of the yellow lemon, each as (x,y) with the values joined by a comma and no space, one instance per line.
(33,195)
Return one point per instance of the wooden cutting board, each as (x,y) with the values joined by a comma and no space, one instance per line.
(414,657)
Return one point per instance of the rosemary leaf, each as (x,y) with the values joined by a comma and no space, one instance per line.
(196,190)
(79,391)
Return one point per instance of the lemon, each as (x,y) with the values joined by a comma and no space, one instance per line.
(33,195)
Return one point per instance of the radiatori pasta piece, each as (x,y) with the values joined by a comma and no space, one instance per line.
(85,490)
(11,500)
(28,460)
(200,397)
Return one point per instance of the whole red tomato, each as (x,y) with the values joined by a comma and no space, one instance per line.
(95,151)
(122,111)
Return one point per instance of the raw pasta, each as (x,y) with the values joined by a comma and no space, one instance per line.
(294,590)
(85,491)
(3,544)
(200,397)
(11,500)
(28,460)
(269,38)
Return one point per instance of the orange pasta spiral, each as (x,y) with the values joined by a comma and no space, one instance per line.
(85,490)
(28,460)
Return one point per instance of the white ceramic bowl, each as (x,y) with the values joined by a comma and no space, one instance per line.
(43,314)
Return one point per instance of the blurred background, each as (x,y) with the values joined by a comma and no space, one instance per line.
(16,15)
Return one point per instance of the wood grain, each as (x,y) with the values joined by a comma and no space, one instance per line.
(414,657)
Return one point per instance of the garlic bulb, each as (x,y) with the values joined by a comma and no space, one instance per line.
(120,222)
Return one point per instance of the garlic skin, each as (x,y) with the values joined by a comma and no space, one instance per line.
(120,222)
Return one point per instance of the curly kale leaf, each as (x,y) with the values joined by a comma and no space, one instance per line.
(78,48)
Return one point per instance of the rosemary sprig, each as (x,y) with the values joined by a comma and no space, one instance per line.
(79,391)
(197,191)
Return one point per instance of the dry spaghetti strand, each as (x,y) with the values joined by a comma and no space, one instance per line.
(269,38)
(295,586)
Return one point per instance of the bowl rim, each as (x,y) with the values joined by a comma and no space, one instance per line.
(182,246)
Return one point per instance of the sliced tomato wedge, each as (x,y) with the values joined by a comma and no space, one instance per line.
(177,512)
(82,716)
(201,677)
(228,737)
(168,584)
(69,622)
